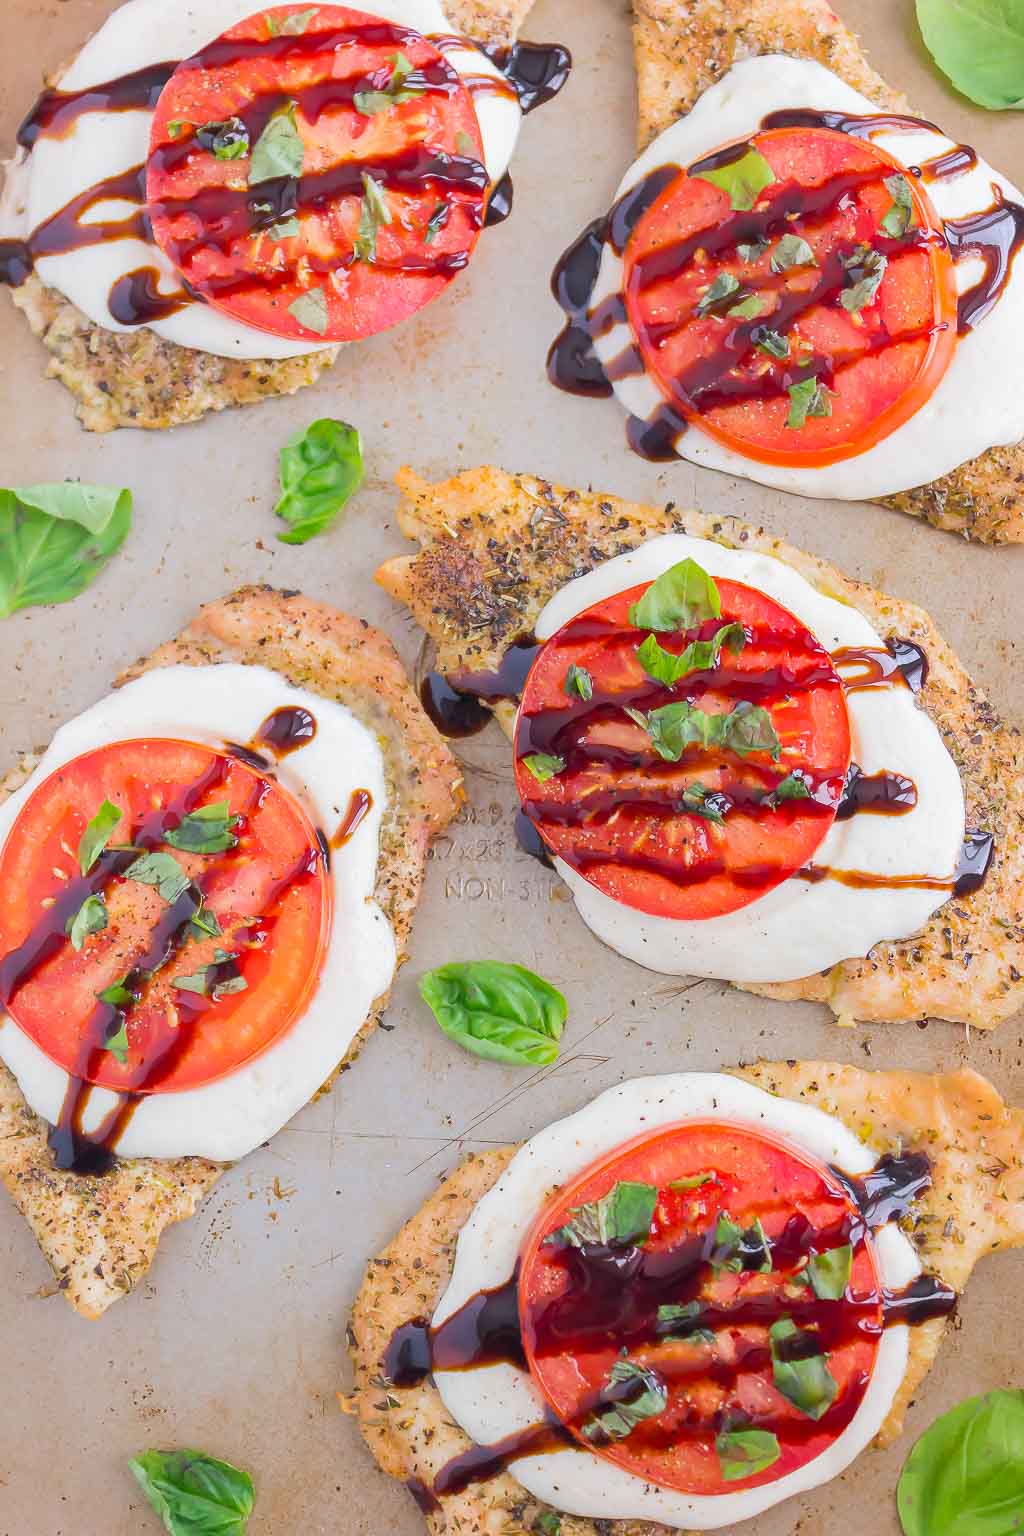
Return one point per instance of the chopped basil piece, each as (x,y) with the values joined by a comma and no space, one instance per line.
(228,140)
(792,787)
(791,252)
(683,1322)
(310,310)
(770,341)
(499,1011)
(829,1273)
(723,288)
(295,24)
(91,917)
(681,598)
(207,830)
(117,995)
(437,221)
(285,229)
(163,871)
(397,90)
(55,539)
(465,145)
(621,1418)
(320,469)
(544,766)
(865,269)
(752,251)
(209,982)
(579,681)
(205,924)
(674,727)
(749,308)
(900,217)
(743,179)
(694,1181)
(117,1043)
(739,1249)
(97,834)
(744,1452)
(194,1494)
(373,214)
(699,656)
(808,398)
(176,128)
(697,800)
(548,1524)
(279,150)
(803,1378)
(621,1218)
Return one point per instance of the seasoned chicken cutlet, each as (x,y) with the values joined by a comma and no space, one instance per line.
(100,1234)
(495,547)
(975,1206)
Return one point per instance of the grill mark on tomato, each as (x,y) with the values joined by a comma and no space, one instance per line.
(615,1293)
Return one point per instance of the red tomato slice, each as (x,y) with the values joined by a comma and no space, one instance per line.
(879,363)
(316,252)
(270,894)
(616,811)
(578,1320)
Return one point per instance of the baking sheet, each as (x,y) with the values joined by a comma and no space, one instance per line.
(235,1342)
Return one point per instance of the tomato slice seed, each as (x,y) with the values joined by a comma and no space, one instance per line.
(207,967)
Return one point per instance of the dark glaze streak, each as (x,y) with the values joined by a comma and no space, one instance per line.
(972,866)
(136,299)
(359,807)
(536,71)
(890,1189)
(284,731)
(66,229)
(499,204)
(456,715)
(56,112)
(878,794)
(869,666)
(863,126)
(485,1331)
(944,167)
(423,1496)
(995,235)
(456,704)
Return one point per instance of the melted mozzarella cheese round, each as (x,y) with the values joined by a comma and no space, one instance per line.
(104,144)
(978,403)
(494,1401)
(800,927)
(213,705)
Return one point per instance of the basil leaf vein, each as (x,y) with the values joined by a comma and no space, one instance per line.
(279,150)
(544,765)
(163,871)
(496,1010)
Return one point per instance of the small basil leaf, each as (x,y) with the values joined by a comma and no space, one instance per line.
(310,310)
(55,540)
(694,1181)
(465,145)
(752,251)
(719,292)
(792,787)
(698,800)
(397,90)
(579,682)
(209,981)
(320,468)
(374,213)
(176,128)
(548,1524)
(743,180)
(728,1238)
(205,924)
(748,728)
(900,217)
(437,221)
(748,308)
(279,150)
(808,398)
(117,1043)
(965,1475)
(770,341)
(683,1322)
(207,830)
(295,24)
(97,834)
(745,1452)
(803,1378)
(228,140)
(621,1218)
(681,598)
(285,229)
(194,1494)
(91,917)
(163,871)
(502,1012)
(621,1418)
(865,269)
(829,1273)
(543,765)
(791,252)
(117,995)
(699,656)
(979,46)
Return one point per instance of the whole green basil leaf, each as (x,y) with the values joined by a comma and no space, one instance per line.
(979,46)
(544,765)
(681,598)
(699,656)
(310,309)
(500,1011)
(97,835)
(279,150)
(743,179)
(55,539)
(320,467)
(743,1452)
(965,1476)
(621,1217)
(210,829)
(195,1494)
(579,682)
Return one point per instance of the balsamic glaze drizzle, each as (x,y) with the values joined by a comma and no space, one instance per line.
(615,1291)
